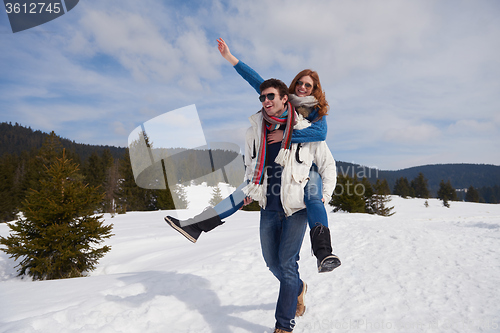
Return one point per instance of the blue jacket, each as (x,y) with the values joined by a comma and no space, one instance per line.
(315,132)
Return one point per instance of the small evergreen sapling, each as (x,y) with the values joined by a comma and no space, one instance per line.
(420,186)
(380,198)
(216,196)
(472,195)
(446,193)
(403,189)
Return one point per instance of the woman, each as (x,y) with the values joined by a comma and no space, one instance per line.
(307,96)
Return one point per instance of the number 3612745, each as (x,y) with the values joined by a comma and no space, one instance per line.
(32,8)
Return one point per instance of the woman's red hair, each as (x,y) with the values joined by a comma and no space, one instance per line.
(317,92)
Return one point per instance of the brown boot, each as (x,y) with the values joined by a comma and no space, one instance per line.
(301,305)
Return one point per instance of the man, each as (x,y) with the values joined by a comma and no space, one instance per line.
(277,174)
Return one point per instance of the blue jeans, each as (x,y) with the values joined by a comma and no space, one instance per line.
(281,239)
(232,203)
(313,193)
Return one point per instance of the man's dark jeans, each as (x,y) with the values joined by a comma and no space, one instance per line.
(281,239)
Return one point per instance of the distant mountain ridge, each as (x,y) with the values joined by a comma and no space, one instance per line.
(16,138)
(461,175)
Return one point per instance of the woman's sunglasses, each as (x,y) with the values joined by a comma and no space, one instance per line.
(270,97)
(308,85)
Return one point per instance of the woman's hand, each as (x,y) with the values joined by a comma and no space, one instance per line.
(275,136)
(247,201)
(224,51)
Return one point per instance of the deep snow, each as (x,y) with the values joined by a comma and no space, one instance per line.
(423,269)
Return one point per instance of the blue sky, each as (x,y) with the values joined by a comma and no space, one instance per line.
(408,82)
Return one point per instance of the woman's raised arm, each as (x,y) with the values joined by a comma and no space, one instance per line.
(224,51)
(246,72)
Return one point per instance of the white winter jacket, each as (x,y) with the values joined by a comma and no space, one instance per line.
(296,170)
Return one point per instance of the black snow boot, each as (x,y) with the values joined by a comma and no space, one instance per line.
(322,249)
(192,228)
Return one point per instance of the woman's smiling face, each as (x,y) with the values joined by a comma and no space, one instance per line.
(304,86)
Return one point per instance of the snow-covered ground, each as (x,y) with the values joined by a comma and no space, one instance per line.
(423,269)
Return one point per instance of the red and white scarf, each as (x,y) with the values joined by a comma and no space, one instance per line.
(255,188)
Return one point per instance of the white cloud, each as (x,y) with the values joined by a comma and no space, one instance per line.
(412,134)
(147,46)
(336,37)
(134,41)
(472,127)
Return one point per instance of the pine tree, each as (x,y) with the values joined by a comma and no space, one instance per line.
(180,195)
(382,187)
(59,234)
(348,195)
(132,197)
(402,188)
(111,188)
(8,189)
(420,187)
(378,200)
(216,196)
(94,170)
(368,193)
(488,194)
(174,197)
(472,194)
(47,155)
(446,193)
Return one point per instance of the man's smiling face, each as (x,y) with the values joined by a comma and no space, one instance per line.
(276,106)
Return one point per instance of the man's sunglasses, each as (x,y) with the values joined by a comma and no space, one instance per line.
(308,85)
(270,97)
